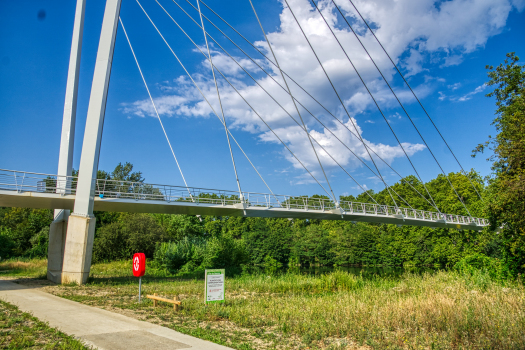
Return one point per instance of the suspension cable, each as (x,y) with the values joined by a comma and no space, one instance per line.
(200,91)
(414,94)
(227,80)
(411,121)
(271,77)
(375,102)
(339,97)
(155,108)
(293,100)
(233,137)
(220,103)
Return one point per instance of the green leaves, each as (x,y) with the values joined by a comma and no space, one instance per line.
(506,193)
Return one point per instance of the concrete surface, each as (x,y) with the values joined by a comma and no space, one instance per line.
(96,327)
(78,248)
(55,250)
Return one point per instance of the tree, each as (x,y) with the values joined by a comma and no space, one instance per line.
(132,233)
(506,204)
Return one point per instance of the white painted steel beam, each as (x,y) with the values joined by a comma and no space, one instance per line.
(67,139)
(96,111)
(58,228)
(78,246)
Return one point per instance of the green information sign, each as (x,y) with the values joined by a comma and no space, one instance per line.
(214,286)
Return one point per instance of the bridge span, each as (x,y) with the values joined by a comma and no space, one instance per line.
(37,190)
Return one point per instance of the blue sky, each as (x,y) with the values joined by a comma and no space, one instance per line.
(442,48)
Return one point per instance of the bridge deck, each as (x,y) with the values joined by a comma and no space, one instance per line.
(35,190)
(59,201)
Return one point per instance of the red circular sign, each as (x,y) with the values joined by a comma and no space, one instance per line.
(139,264)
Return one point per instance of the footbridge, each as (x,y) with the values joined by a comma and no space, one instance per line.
(74,199)
(34,190)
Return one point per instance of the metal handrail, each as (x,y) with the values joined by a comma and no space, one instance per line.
(49,183)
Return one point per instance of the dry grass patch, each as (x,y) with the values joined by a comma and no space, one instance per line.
(32,268)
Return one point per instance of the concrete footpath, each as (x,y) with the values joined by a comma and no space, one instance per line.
(98,328)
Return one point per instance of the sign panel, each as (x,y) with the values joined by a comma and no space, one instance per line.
(214,286)
(139,264)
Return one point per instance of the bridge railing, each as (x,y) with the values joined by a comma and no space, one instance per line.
(21,181)
(11,180)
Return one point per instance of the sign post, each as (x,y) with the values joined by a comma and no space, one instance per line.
(139,268)
(214,286)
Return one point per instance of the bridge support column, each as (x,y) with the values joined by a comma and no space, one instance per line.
(55,250)
(58,228)
(78,249)
(81,226)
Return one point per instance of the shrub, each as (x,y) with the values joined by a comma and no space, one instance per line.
(222,252)
(39,243)
(474,263)
(131,234)
(110,243)
(6,244)
(193,254)
(143,233)
(173,255)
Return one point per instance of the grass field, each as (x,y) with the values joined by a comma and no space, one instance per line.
(441,310)
(19,330)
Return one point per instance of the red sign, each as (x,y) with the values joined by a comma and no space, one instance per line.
(139,264)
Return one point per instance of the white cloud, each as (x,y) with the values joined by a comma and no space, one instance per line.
(472,93)
(415,32)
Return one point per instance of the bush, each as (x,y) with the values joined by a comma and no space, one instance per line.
(474,263)
(110,243)
(173,255)
(131,234)
(39,243)
(222,252)
(6,244)
(194,254)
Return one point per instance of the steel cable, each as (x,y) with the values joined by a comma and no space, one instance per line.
(271,77)
(390,87)
(155,108)
(414,94)
(200,91)
(220,102)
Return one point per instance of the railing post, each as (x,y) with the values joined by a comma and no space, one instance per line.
(22,185)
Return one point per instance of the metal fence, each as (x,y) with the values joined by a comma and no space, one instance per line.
(12,180)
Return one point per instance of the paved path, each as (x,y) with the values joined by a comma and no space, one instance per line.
(96,327)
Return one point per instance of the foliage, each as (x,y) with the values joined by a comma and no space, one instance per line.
(312,246)
(6,244)
(132,233)
(19,225)
(197,254)
(179,226)
(268,238)
(471,264)
(39,243)
(174,255)
(506,200)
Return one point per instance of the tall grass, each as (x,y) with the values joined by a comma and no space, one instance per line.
(24,267)
(438,310)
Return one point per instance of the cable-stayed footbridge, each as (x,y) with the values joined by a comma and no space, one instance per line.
(71,235)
